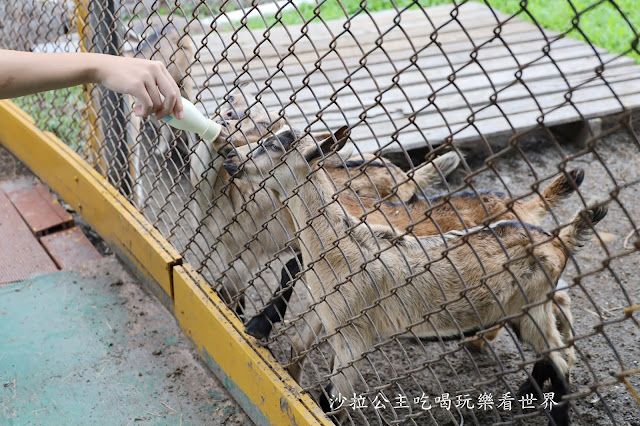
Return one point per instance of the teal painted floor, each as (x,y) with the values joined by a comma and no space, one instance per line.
(93,348)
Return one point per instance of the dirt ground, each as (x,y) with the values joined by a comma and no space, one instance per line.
(152,332)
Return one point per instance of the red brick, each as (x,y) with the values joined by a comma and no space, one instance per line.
(70,248)
(36,205)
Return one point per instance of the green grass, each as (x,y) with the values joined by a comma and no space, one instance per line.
(334,9)
(599,20)
(58,111)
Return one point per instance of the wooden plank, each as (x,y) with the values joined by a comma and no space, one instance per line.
(456,102)
(280,42)
(518,41)
(70,248)
(360,96)
(435,75)
(270,57)
(428,60)
(450,121)
(448,100)
(322,31)
(512,34)
(467,78)
(496,126)
(463,55)
(243,57)
(517,99)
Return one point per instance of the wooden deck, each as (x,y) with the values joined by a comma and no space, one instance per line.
(402,85)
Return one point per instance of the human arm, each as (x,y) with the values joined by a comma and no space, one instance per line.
(24,73)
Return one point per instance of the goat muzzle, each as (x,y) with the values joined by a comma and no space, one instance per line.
(230,162)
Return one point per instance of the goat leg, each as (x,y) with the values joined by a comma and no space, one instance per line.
(301,343)
(543,370)
(554,366)
(260,326)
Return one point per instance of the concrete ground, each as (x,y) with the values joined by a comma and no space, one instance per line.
(91,346)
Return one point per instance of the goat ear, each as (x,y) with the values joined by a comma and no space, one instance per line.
(321,136)
(336,141)
(329,143)
(278,124)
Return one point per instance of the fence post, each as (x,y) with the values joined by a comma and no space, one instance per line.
(93,131)
(100,33)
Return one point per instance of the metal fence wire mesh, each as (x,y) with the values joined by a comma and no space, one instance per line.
(474,260)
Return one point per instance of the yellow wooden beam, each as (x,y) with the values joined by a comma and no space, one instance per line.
(263,388)
(97,201)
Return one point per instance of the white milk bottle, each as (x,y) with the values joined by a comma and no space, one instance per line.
(194,121)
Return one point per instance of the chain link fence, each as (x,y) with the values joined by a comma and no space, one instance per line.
(474,260)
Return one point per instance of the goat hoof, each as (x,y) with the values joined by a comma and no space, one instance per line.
(577,175)
(528,388)
(258,327)
(239,308)
(476,346)
(560,417)
(324,403)
(324,398)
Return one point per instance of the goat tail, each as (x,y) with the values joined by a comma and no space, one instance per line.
(579,232)
(561,188)
(425,176)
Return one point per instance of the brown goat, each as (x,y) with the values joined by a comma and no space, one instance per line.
(424,217)
(370,280)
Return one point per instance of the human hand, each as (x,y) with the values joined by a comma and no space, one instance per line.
(145,80)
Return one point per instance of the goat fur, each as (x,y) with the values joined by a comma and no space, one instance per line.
(246,226)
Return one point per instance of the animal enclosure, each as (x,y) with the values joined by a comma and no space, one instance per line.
(428,215)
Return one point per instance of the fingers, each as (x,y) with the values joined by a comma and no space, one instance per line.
(172,102)
(148,81)
(152,89)
(144,104)
(177,106)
